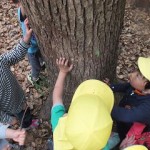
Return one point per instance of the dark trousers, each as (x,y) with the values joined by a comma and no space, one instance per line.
(35,60)
(27,121)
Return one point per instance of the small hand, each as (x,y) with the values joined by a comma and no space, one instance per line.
(14,1)
(128,141)
(28,31)
(19,136)
(107,81)
(63,65)
(7,147)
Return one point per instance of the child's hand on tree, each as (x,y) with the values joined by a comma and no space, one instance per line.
(28,31)
(107,81)
(63,65)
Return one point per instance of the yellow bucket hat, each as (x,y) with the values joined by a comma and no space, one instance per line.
(97,88)
(136,147)
(144,64)
(88,124)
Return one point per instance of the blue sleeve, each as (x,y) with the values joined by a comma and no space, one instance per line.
(57,111)
(135,114)
(3,129)
(19,13)
(120,87)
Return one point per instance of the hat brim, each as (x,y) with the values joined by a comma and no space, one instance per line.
(143,64)
(97,88)
(136,147)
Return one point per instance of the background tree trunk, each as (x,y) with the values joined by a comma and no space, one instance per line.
(85,31)
(140,4)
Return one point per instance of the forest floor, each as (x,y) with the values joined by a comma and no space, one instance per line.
(134,42)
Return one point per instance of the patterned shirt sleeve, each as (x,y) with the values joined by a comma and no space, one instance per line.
(5,118)
(15,55)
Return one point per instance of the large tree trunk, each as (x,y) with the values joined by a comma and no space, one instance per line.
(85,31)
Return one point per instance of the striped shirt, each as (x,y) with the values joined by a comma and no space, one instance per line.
(12,96)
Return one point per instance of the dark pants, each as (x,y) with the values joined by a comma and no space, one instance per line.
(27,121)
(35,59)
(123,129)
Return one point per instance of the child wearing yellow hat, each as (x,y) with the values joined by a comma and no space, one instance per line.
(135,104)
(88,124)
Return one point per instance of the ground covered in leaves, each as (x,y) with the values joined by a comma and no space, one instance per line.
(134,42)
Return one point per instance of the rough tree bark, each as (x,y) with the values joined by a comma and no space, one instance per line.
(85,31)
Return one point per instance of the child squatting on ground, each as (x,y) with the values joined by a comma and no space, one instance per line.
(34,55)
(134,108)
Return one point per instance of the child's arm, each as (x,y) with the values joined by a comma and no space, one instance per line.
(140,113)
(16,135)
(18,53)
(64,68)
(118,87)
(6,118)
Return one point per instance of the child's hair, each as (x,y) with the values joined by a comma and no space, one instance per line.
(147,86)
(15,1)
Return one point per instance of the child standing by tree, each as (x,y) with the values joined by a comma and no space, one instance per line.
(135,105)
(12,97)
(34,55)
(88,124)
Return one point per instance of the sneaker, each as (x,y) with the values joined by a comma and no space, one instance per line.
(33,81)
(43,66)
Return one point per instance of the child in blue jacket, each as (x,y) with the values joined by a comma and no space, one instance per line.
(34,55)
(135,104)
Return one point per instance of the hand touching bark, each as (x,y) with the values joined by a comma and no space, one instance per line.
(63,65)
(107,81)
(64,68)
(28,31)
